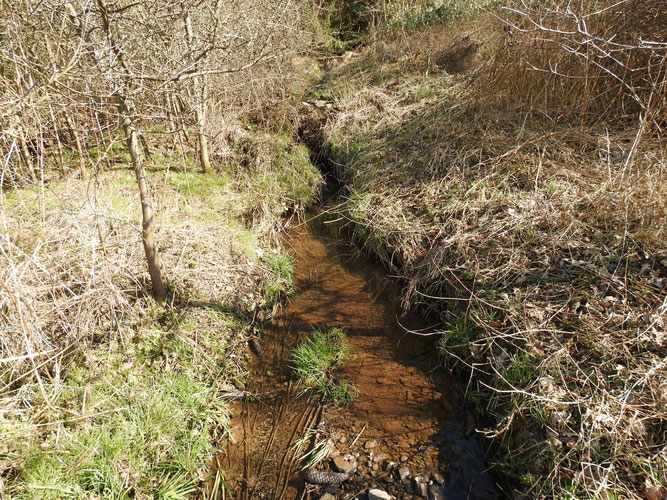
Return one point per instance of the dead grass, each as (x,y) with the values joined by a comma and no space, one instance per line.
(84,349)
(539,240)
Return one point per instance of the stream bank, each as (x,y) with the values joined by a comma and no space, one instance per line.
(406,434)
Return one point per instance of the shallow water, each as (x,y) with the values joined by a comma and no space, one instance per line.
(408,410)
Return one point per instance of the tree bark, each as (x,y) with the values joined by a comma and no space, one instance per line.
(147,234)
(200,103)
(25,153)
(201,131)
(77,143)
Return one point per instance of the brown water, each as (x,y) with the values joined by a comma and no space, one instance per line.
(408,411)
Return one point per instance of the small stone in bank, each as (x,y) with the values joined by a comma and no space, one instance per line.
(327,496)
(420,486)
(403,473)
(370,444)
(376,494)
(436,492)
(345,463)
(437,478)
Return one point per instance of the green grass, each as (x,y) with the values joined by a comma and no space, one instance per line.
(280,282)
(134,411)
(198,184)
(432,12)
(149,427)
(455,339)
(316,360)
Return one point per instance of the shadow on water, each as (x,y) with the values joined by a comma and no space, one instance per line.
(408,415)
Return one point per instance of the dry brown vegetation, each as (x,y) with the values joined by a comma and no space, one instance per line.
(65,67)
(104,391)
(520,191)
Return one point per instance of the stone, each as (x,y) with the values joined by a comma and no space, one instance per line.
(370,444)
(420,486)
(345,463)
(436,492)
(342,439)
(376,494)
(327,496)
(403,473)
(404,458)
(437,478)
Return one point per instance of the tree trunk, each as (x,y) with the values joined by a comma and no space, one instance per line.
(200,104)
(201,131)
(77,143)
(159,291)
(25,154)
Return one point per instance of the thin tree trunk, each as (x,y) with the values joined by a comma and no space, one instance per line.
(170,121)
(200,103)
(159,291)
(59,144)
(171,103)
(26,157)
(77,143)
(179,106)
(201,124)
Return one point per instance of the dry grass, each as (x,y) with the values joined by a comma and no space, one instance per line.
(84,348)
(539,241)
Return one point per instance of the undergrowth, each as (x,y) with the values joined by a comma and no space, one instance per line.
(537,236)
(103,392)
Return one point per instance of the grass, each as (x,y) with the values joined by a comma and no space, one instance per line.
(316,453)
(126,403)
(527,236)
(124,417)
(315,362)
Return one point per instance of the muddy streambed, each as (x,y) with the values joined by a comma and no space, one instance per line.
(406,434)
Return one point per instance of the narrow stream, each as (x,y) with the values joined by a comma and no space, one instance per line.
(407,432)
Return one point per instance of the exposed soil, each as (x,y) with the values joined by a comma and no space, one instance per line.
(408,413)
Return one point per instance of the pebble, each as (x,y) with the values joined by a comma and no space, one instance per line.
(370,444)
(420,486)
(437,478)
(404,458)
(403,473)
(327,496)
(376,494)
(345,463)
(436,492)
(342,439)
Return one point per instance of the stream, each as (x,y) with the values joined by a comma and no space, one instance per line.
(406,434)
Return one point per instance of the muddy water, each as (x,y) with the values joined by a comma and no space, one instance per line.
(408,414)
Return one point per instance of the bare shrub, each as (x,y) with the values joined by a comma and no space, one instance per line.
(535,233)
(592,60)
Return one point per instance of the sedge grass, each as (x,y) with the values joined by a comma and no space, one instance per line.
(316,360)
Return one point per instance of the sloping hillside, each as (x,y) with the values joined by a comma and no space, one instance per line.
(530,215)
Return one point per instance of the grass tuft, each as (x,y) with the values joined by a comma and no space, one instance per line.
(316,360)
